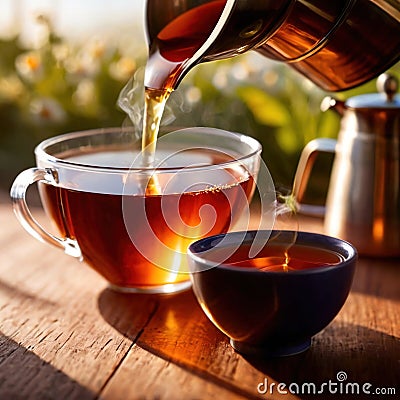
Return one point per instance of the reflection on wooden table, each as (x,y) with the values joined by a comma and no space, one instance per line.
(65,335)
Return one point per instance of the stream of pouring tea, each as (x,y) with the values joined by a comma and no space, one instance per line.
(175,44)
(169,53)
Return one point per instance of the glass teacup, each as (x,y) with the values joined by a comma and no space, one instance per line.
(133,224)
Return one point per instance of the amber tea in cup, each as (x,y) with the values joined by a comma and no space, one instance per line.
(95,193)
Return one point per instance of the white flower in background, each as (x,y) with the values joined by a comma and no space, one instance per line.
(86,63)
(85,93)
(30,66)
(81,66)
(193,94)
(220,79)
(228,76)
(11,88)
(61,52)
(240,71)
(95,48)
(123,69)
(270,77)
(47,110)
(43,27)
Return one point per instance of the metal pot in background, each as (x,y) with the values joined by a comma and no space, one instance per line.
(363,201)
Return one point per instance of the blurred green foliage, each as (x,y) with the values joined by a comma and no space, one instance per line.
(60,87)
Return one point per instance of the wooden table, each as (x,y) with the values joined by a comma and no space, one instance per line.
(65,335)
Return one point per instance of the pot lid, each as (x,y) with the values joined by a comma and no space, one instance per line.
(387,98)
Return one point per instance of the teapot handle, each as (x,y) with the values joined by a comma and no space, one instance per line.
(303,172)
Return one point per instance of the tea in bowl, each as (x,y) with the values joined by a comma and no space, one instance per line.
(274,302)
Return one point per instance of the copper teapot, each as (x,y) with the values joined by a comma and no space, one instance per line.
(363,201)
(336,44)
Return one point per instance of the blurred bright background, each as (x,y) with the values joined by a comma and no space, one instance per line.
(63,64)
(73,19)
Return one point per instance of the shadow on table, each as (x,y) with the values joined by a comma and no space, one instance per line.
(179,332)
(171,318)
(15,291)
(23,375)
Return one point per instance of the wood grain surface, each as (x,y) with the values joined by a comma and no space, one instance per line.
(65,335)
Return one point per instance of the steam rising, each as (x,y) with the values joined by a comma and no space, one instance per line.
(131,101)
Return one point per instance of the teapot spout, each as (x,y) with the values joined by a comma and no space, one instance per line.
(331,103)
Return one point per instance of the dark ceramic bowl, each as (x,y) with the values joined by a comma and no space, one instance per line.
(270,313)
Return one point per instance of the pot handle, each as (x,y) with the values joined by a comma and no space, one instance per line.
(304,168)
(24,216)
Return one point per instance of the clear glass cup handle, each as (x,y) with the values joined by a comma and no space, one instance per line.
(21,209)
